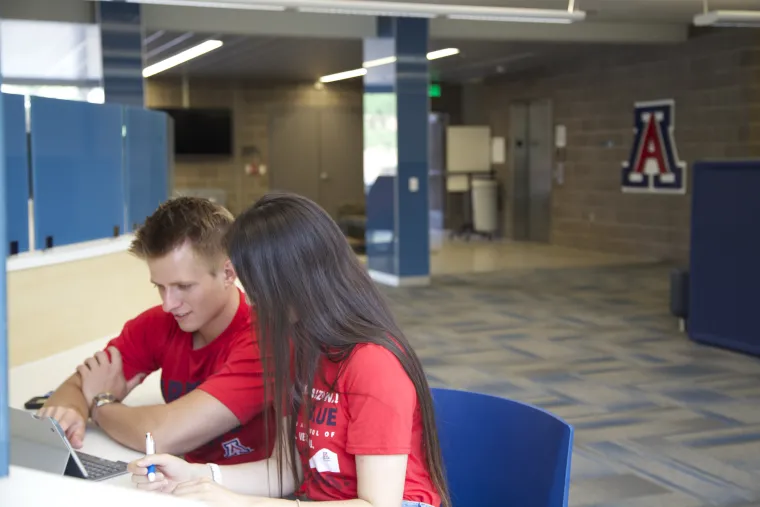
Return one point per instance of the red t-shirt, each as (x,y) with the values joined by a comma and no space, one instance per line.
(229,369)
(374,411)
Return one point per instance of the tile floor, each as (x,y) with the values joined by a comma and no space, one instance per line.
(660,420)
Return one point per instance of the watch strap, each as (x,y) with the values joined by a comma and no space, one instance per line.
(102,399)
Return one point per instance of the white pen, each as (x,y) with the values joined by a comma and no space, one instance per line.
(150,448)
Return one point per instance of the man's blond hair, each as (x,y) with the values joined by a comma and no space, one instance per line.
(198,221)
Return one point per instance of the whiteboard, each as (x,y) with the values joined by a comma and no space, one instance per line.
(468,148)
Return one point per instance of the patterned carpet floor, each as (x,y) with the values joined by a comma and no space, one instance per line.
(659,420)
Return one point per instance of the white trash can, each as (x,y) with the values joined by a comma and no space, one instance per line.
(484,212)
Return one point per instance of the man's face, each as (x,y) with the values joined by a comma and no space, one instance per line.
(188,289)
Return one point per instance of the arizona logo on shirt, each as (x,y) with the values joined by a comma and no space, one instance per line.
(234,448)
(653,165)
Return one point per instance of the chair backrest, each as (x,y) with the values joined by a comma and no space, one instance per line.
(502,452)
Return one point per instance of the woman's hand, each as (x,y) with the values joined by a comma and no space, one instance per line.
(211,493)
(170,471)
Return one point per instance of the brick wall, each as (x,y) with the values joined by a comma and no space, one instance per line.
(252,103)
(715,81)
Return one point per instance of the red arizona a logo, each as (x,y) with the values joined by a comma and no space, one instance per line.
(653,165)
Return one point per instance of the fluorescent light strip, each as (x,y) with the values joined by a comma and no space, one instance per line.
(442,53)
(433,55)
(728,18)
(180,58)
(424,10)
(510,19)
(343,75)
(380,61)
(363,12)
(395,9)
(214,4)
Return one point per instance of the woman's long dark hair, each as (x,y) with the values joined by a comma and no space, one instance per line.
(314,298)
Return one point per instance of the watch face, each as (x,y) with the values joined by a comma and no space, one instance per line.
(103,399)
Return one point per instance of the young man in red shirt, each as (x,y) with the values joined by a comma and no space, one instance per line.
(202,340)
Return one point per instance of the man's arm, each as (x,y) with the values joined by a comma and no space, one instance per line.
(177,427)
(69,394)
(68,406)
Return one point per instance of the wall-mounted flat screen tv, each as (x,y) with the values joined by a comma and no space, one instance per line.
(201,131)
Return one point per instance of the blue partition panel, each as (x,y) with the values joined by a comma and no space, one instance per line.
(147,163)
(725,252)
(76,171)
(16,173)
(4,429)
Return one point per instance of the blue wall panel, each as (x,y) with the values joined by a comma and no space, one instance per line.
(146,163)
(16,173)
(4,429)
(725,248)
(76,170)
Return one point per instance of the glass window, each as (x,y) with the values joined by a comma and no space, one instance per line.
(49,51)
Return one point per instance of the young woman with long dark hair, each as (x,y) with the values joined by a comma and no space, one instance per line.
(354,411)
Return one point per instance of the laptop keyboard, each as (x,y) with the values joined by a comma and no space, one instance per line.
(99,468)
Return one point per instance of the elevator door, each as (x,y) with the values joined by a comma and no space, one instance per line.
(436,182)
(531,139)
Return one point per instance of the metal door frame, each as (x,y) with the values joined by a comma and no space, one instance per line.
(513,180)
(517,232)
(550,135)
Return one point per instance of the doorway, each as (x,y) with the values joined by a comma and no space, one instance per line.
(318,154)
(437,123)
(531,139)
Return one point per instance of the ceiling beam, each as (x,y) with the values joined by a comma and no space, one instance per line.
(295,24)
(588,32)
(249,22)
(68,11)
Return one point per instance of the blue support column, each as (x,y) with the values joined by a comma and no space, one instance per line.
(5,444)
(396,110)
(121,40)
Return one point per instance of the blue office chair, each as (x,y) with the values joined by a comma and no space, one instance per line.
(502,452)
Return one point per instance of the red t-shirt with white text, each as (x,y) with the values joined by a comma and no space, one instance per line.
(229,369)
(374,411)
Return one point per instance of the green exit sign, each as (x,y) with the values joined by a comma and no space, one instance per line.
(434,90)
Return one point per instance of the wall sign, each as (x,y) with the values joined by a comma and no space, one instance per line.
(653,165)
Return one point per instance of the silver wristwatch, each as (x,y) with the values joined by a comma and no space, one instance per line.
(102,399)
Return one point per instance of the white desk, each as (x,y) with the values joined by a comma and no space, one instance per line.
(40,377)
(30,488)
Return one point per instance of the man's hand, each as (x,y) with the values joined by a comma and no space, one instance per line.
(72,422)
(101,375)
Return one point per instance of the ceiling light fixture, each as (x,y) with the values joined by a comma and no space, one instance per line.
(343,75)
(563,19)
(180,58)
(433,55)
(422,10)
(380,61)
(393,9)
(364,12)
(728,18)
(749,19)
(442,53)
(224,4)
